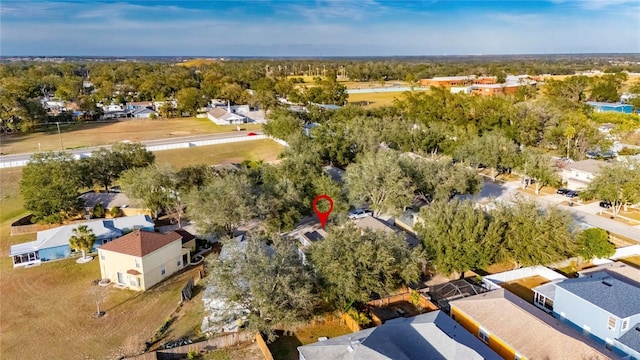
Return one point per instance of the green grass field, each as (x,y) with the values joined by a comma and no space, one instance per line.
(94,134)
(371,100)
(221,154)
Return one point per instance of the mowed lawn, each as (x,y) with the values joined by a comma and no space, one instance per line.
(221,154)
(372,100)
(93,134)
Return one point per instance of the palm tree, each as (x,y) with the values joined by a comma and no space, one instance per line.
(82,239)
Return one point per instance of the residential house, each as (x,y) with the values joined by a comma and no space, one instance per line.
(611,107)
(516,329)
(604,305)
(144,113)
(372,223)
(188,239)
(142,259)
(222,116)
(430,336)
(578,174)
(53,243)
(136,105)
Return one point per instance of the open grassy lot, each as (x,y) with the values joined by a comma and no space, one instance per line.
(93,134)
(285,347)
(371,100)
(197,62)
(47,310)
(221,154)
(10,198)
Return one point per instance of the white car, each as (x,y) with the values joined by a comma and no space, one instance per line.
(359,213)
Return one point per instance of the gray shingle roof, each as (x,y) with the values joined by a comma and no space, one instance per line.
(613,295)
(632,337)
(431,336)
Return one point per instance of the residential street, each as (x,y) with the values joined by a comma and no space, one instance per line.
(586,213)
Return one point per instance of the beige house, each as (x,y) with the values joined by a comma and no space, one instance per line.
(141,259)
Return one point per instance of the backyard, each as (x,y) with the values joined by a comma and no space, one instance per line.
(285,346)
(522,287)
(92,134)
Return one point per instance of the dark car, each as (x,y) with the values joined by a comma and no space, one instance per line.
(605,204)
(562,191)
(571,194)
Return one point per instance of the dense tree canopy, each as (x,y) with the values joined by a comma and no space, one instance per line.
(353,264)
(50,184)
(267,280)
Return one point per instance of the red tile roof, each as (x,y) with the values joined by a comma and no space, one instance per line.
(133,272)
(141,243)
(186,236)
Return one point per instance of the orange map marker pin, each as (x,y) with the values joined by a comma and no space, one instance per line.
(323,216)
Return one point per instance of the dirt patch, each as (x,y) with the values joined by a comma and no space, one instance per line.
(522,287)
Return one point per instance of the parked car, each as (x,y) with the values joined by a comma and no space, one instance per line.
(605,204)
(571,194)
(252,134)
(359,213)
(562,191)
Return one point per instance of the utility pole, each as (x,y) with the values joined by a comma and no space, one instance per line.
(60,135)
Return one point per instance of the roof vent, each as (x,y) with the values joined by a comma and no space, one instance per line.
(606,283)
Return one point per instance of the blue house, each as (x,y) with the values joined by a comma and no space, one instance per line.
(53,243)
(611,107)
(605,306)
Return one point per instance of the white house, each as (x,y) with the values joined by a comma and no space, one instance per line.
(222,116)
(577,175)
(144,113)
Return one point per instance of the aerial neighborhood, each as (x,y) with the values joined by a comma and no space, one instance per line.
(298,200)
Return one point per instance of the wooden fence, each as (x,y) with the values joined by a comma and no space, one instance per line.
(179,353)
(263,347)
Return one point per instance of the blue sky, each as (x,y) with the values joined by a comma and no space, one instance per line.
(317,28)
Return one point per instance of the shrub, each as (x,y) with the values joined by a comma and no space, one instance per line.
(114,212)
(415,297)
(98,210)
(361,318)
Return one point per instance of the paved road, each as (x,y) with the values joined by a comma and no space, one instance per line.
(168,141)
(586,213)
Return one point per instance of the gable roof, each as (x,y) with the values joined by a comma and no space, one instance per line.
(527,329)
(186,236)
(141,243)
(103,228)
(221,113)
(618,297)
(428,336)
(631,338)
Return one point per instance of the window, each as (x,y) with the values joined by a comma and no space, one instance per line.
(137,263)
(101,256)
(625,324)
(163,270)
(178,262)
(132,281)
(612,323)
(483,335)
